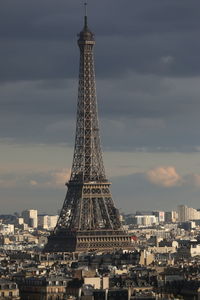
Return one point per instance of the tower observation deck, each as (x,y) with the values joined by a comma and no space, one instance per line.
(88,220)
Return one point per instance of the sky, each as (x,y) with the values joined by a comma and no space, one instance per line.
(147,61)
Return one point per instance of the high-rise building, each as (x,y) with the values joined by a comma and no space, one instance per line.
(160,215)
(43,221)
(186,213)
(145,220)
(88,220)
(52,221)
(171,216)
(30,217)
(47,222)
(182,213)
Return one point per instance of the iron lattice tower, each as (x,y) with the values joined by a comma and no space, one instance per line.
(88,219)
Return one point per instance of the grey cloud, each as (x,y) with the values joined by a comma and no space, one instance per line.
(34,60)
(38,39)
(137,112)
(49,18)
(146,56)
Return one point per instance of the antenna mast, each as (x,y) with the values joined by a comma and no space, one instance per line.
(85,5)
(85,17)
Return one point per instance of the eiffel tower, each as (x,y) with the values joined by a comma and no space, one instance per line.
(88,220)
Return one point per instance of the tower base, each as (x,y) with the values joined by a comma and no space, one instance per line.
(90,240)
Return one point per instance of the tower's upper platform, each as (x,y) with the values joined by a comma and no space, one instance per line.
(86,35)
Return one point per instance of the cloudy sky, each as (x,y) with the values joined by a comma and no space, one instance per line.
(147,59)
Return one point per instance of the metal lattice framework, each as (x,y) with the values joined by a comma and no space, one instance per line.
(87,163)
(88,219)
(88,203)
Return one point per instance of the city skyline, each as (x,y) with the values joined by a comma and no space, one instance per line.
(148,96)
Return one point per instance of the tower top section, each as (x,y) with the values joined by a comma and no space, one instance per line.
(86,34)
(87,162)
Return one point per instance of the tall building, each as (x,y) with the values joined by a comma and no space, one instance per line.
(160,215)
(47,222)
(186,213)
(88,220)
(145,220)
(43,221)
(30,217)
(171,216)
(52,221)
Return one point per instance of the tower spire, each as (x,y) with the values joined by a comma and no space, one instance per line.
(85,16)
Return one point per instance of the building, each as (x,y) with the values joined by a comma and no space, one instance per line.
(8,290)
(20,221)
(50,288)
(146,257)
(186,213)
(88,221)
(171,217)
(97,282)
(114,294)
(6,229)
(43,221)
(47,222)
(30,217)
(52,221)
(146,220)
(189,249)
(160,215)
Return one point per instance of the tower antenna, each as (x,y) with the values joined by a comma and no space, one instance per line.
(85,17)
(85,5)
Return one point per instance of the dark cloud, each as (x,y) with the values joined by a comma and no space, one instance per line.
(147,54)
(137,112)
(38,38)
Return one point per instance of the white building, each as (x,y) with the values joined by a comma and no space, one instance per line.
(194,250)
(30,217)
(52,221)
(20,221)
(7,229)
(146,220)
(43,221)
(47,222)
(160,215)
(186,213)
